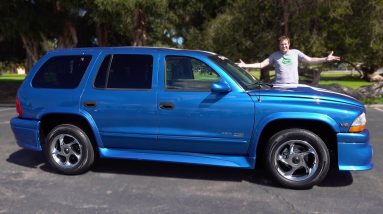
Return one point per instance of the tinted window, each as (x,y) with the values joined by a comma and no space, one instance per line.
(125,71)
(61,72)
(100,81)
(188,74)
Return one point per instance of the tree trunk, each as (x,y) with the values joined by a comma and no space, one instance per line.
(265,74)
(355,67)
(367,71)
(139,28)
(69,38)
(102,35)
(31,46)
(285,20)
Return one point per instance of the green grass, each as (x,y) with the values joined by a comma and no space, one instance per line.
(350,83)
(370,101)
(341,77)
(11,78)
(205,76)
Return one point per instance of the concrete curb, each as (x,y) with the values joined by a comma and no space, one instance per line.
(375,106)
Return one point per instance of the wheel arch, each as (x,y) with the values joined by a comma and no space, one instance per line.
(325,130)
(51,120)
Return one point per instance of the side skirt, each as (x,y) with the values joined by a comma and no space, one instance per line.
(180,157)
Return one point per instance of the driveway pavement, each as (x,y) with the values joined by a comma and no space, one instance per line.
(27,185)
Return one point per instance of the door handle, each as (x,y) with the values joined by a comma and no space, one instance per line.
(167,106)
(90,104)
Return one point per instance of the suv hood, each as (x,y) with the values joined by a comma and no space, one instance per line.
(307,92)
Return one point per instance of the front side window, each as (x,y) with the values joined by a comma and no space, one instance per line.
(241,76)
(125,71)
(61,72)
(188,74)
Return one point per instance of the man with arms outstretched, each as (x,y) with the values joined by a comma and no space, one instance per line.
(286,62)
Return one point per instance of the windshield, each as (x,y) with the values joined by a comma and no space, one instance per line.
(241,76)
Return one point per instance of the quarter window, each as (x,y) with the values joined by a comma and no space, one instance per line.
(61,72)
(125,71)
(188,74)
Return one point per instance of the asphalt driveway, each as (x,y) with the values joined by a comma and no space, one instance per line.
(28,185)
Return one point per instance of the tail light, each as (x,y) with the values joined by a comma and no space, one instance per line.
(18,108)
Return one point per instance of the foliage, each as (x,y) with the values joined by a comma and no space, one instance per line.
(11,78)
(246,29)
(356,29)
(134,22)
(370,101)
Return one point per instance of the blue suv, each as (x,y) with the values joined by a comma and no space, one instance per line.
(184,106)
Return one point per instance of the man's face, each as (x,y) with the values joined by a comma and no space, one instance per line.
(284,46)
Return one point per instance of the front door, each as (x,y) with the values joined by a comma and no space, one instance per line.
(194,119)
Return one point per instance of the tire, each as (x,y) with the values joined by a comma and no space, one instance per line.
(297,158)
(69,150)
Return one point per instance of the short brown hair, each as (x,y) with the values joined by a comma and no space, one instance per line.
(282,38)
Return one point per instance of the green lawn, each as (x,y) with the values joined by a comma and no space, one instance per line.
(351,83)
(11,78)
(342,78)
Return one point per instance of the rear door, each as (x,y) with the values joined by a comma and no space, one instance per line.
(122,99)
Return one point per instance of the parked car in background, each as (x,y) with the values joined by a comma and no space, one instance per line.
(184,106)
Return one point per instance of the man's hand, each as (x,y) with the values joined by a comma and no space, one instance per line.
(331,58)
(241,63)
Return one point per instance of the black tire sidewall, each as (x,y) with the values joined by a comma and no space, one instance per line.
(298,134)
(87,149)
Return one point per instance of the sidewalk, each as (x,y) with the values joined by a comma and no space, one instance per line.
(7,105)
(375,106)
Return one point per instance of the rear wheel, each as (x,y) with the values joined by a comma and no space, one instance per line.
(297,158)
(69,150)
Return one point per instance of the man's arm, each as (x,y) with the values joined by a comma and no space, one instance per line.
(259,65)
(315,60)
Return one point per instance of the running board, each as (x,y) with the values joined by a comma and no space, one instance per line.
(180,157)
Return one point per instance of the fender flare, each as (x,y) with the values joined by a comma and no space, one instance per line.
(81,113)
(263,122)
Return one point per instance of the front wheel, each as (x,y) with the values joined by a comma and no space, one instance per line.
(297,158)
(68,149)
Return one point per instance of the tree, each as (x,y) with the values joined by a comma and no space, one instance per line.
(186,20)
(246,29)
(135,22)
(40,25)
(357,31)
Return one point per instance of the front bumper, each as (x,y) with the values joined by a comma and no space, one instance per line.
(26,133)
(354,151)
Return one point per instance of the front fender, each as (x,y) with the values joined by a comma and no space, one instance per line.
(263,122)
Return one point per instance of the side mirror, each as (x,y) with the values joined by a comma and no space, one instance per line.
(220,87)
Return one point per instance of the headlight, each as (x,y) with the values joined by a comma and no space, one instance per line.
(359,123)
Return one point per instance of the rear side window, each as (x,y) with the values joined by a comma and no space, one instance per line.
(61,72)
(125,71)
